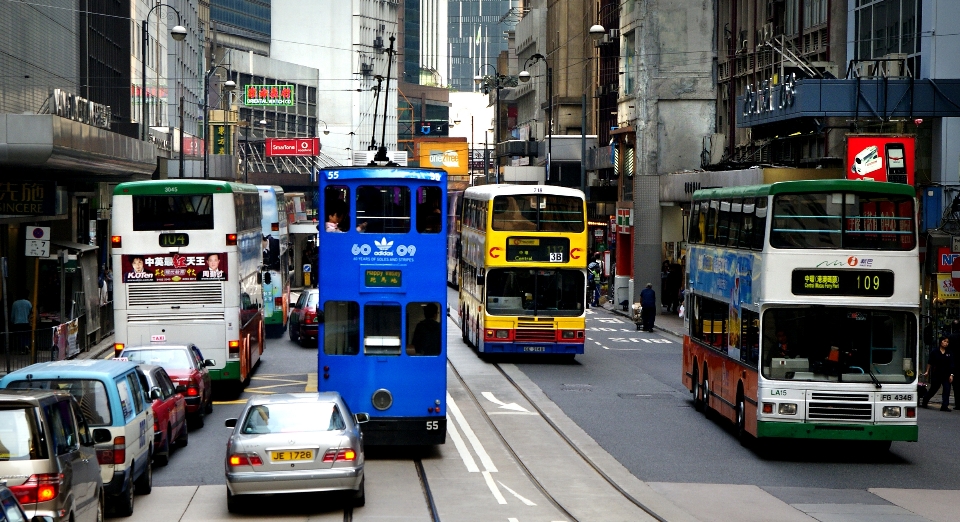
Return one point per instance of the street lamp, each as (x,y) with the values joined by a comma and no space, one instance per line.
(228,86)
(525,77)
(596,32)
(178,33)
(497,81)
(325,129)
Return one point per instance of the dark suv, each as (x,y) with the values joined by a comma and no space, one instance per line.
(47,456)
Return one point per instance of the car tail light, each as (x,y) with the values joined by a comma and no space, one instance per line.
(342,455)
(233,349)
(275,226)
(192,391)
(278,301)
(231,240)
(116,241)
(38,488)
(245,459)
(115,454)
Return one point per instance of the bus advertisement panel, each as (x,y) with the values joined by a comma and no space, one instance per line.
(276,263)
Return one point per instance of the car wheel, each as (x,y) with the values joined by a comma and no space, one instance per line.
(163,456)
(209,407)
(144,484)
(101,505)
(123,503)
(234,502)
(184,438)
(360,496)
(294,332)
(196,420)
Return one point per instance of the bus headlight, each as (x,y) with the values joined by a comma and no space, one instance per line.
(787,408)
(891,412)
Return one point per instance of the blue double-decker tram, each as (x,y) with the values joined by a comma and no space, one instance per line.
(383,298)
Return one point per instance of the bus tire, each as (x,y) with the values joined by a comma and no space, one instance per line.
(705,391)
(697,401)
(742,434)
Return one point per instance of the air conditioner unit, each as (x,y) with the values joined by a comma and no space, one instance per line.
(894,64)
(865,69)
(366,69)
(614,33)
(378,42)
(743,46)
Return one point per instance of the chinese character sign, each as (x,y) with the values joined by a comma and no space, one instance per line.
(221,139)
(22,198)
(174,268)
(268,95)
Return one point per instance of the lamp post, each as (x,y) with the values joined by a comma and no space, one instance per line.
(497,81)
(178,33)
(325,129)
(228,86)
(595,34)
(525,77)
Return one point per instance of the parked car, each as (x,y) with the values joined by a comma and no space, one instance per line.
(113,402)
(304,320)
(47,456)
(12,511)
(295,442)
(169,413)
(186,366)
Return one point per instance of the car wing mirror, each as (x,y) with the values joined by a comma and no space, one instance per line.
(361,417)
(101,435)
(230,423)
(209,362)
(155,394)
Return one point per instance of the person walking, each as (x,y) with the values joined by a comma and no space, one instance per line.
(648,307)
(20,314)
(940,366)
(593,280)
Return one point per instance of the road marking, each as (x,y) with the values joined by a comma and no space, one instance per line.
(238,401)
(514,493)
(462,448)
(511,406)
(493,488)
(311,383)
(471,436)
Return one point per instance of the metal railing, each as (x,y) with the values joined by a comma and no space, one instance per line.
(16,352)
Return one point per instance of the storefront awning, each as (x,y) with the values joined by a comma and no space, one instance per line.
(77,247)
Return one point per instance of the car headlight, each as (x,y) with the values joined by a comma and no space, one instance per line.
(787,408)
(891,412)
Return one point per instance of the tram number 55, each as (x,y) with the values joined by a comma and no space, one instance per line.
(433,425)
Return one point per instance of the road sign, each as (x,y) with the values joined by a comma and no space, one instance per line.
(38,233)
(306,269)
(37,242)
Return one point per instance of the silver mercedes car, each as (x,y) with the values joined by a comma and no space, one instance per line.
(294,443)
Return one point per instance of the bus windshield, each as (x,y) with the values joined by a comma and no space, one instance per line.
(190,212)
(528,291)
(538,213)
(849,344)
(843,220)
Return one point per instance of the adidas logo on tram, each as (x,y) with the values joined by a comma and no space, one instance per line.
(383,246)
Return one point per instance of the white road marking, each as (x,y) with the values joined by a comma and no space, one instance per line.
(512,406)
(462,448)
(471,436)
(493,488)
(610,320)
(514,493)
(603,329)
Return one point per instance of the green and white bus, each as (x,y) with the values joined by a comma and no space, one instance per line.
(276,263)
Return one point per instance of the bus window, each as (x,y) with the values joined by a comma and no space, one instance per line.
(193,212)
(748,227)
(749,337)
(514,213)
(759,224)
(383,209)
(336,205)
(736,219)
(807,221)
(341,332)
(381,328)
(561,214)
(694,234)
(711,237)
(429,218)
(423,329)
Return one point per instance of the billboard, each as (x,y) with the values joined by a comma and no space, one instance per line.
(174,268)
(268,95)
(451,156)
(881,158)
(292,147)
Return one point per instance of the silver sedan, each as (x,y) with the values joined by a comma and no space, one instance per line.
(294,443)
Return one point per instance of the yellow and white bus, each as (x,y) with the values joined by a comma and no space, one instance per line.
(523,261)
(187,255)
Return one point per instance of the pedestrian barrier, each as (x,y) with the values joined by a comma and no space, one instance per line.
(16,351)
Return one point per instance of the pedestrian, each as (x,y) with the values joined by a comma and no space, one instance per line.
(593,281)
(20,314)
(648,307)
(108,275)
(940,371)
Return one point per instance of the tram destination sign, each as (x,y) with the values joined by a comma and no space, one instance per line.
(383,278)
(538,250)
(867,283)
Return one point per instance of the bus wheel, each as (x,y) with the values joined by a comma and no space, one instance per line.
(697,401)
(742,434)
(705,391)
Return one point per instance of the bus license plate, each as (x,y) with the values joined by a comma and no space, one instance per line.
(534,349)
(291,456)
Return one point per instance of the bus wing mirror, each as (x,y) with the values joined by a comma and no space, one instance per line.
(361,418)
(480,279)
(267,278)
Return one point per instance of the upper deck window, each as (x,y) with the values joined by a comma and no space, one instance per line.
(838,220)
(193,212)
(538,213)
(383,209)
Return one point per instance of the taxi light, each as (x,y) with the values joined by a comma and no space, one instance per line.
(891,412)
(787,408)
(768,408)
(245,459)
(231,240)
(116,242)
(40,487)
(911,412)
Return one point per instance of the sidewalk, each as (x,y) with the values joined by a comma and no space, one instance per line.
(99,350)
(665,321)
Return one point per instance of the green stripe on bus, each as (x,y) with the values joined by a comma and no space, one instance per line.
(809,430)
(230,372)
(171,187)
(805,186)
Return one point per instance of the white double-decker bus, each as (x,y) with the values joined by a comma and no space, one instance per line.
(187,257)
(802,309)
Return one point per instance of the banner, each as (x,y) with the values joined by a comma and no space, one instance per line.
(65,339)
(945,289)
(174,268)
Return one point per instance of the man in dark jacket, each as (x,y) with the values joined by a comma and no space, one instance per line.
(648,310)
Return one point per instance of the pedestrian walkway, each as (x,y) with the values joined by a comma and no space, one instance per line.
(668,322)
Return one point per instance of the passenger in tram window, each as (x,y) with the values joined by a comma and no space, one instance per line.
(335,215)
(427,334)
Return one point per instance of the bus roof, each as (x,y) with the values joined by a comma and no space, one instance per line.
(488,192)
(183,186)
(411,173)
(806,186)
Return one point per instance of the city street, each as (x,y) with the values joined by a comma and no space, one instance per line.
(622,404)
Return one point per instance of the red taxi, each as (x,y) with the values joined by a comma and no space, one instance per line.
(187,367)
(169,412)
(303,318)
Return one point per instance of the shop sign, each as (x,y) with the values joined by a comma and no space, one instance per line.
(221,139)
(174,268)
(447,156)
(945,288)
(955,273)
(28,198)
(268,95)
(945,260)
(881,158)
(76,108)
(624,220)
(292,147)
(612,230)
(769,96)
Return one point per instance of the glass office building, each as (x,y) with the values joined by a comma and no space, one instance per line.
(246,18)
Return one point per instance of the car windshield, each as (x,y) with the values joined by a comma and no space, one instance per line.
(165,358)
(20,437)
(89,393)
(292,417)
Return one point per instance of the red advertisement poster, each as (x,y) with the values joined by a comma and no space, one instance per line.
(174,268)
(881,158)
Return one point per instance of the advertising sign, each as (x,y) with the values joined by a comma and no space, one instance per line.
(292,147)
(268,95)
(452,157)
(221,139)
(945,260)
(174,268)
(624,220)
(945,288)
(28,198)
(881,158)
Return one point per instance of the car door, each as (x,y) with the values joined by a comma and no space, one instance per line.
(175,401)
(295,314)
(206,383)
(66,446)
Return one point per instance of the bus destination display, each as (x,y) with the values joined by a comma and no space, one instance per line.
(383,278)
(874,283)
(178,239)
(538,249)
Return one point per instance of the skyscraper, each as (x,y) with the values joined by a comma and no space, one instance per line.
(475,37)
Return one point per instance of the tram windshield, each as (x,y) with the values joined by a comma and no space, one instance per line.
(529,291)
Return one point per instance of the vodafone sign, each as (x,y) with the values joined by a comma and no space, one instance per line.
(293,146)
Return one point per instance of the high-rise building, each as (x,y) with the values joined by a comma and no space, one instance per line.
(242,24)
(475,37)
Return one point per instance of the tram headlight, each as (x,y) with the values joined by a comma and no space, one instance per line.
(891,412)
(787,408)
